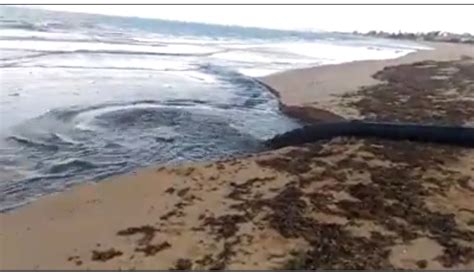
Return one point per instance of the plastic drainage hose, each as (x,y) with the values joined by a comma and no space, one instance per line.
(451,135)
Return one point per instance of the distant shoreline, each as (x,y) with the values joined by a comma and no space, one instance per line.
(434,36)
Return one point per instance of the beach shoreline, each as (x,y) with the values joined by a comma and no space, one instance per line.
(294,88)
(211,214)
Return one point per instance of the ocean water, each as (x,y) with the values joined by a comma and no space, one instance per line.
(83,97)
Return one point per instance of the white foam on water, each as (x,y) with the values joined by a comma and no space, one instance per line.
(109,61)
(195,76)
(168,39)
(263,58)
(257,72)
(22,33)
(330,53)
(67,46)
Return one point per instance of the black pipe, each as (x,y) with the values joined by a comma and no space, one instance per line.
(451,135)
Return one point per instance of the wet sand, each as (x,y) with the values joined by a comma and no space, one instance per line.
(338,204)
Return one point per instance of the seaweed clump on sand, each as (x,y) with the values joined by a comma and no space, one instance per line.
(183,264)
(147,232)
(331,246)
(391,192)
(394,198)
(151,250)
(105,255)
(422,92)
(144,244)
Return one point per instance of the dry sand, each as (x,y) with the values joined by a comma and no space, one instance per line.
(317,86)
(345,203)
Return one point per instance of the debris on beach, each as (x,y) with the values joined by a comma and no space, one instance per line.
(103,256)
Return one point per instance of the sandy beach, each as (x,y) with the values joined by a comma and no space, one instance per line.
(340,204)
